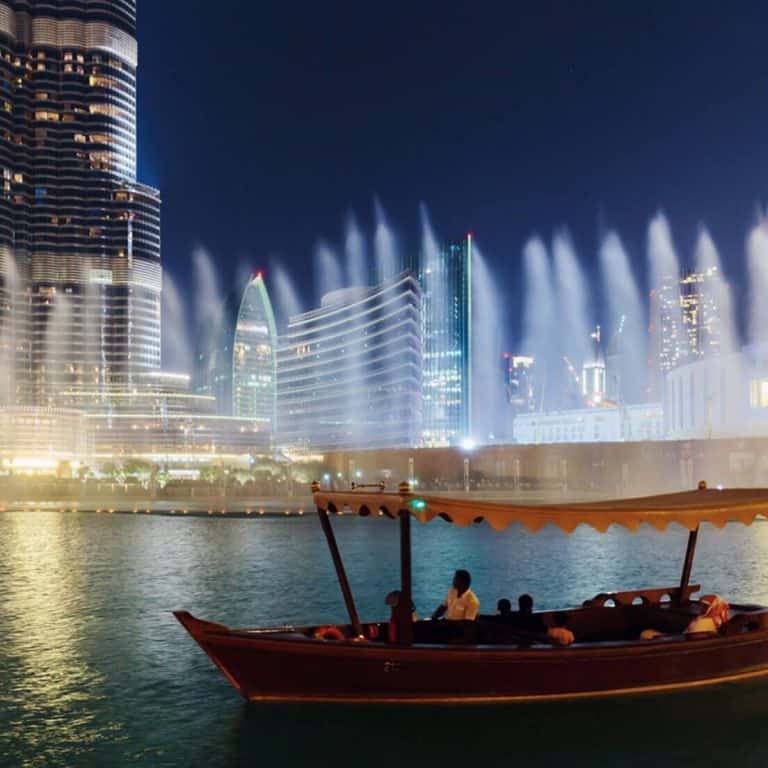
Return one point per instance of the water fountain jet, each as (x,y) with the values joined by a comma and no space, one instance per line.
(626,366)
(384,246)
(327,270)
(356,256)
(176,353)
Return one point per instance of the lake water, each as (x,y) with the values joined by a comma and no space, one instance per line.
(95,671)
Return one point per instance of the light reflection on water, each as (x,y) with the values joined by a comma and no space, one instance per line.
(95,670)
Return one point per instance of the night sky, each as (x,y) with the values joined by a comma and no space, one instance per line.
(264,123)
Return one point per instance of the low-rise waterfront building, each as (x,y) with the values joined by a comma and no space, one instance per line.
(725,396)
(591,425)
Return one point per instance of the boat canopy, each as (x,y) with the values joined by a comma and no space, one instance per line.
(688,509)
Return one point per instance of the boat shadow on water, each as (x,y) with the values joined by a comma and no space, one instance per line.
(717,725)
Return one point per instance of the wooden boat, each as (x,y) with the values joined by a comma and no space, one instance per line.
(485,660)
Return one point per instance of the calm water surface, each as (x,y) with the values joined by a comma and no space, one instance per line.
(95,671)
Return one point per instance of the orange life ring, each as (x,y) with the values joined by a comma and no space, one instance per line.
(329,633)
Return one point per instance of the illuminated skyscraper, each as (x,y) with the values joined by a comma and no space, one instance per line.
(702,296)
(520,382)
(254,358)
(687,322)
(446,280)
(669,344)
(79,237)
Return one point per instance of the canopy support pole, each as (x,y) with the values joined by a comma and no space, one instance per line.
(688,563)
(341,574)
(405,605)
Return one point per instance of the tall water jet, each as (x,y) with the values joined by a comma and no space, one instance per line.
(10,284)
(539,322)
(327,270)
(433,277)
(355,253)
(92,317)
(243,275)
(662,256)
(209,314)
(488,396)
(757,254)
(58,357)
(384,246)
(434,309)
(208,301)
(572,300)
(285,297)
(715,298)
(669,345)
(626,335)
(177,354)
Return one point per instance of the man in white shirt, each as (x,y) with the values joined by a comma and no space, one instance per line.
(461,603)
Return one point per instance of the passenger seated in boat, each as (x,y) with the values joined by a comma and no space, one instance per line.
(461,603)
(504,609)
(524,618)
(716,613)
(560,634)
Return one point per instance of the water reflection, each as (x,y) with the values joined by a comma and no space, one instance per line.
(632,731)
(53,691)
(95,670)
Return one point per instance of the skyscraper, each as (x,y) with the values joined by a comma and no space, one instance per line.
(446,280)
(254,358)
(80,273)
(702,295)
(668,340)
(520,382)
(687,322)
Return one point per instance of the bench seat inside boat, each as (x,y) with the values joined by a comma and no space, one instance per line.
(589,624)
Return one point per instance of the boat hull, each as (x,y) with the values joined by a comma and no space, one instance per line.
(269,666)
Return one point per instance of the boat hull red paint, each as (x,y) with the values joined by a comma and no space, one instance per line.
(271,666)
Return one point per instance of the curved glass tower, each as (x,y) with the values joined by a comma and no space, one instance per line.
(80,274)
(254,358)
(349,373)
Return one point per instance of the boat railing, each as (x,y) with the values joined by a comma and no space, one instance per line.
(647,597)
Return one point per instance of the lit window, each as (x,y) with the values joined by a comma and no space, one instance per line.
(105,109)
(758,393)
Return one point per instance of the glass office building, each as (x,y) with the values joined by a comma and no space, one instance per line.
(446,280)
(349,373)
(80,274)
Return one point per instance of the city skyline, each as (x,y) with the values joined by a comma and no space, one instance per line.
(326,136)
